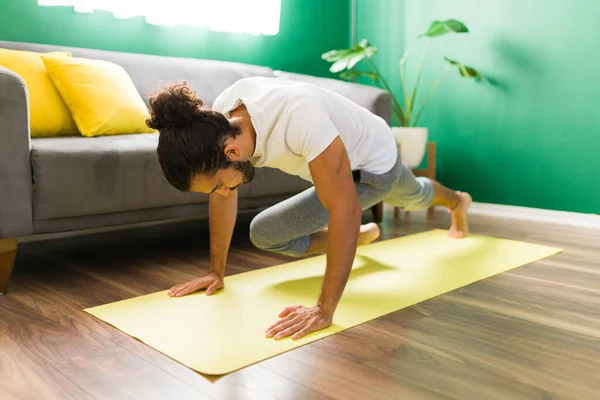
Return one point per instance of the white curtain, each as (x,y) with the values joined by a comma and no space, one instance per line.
(256,17)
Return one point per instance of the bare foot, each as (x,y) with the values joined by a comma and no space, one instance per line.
(460,228)
(368,233)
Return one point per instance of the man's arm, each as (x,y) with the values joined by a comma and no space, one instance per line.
(332,175)
(222,215)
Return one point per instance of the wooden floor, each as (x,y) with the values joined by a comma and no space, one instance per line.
(531,333)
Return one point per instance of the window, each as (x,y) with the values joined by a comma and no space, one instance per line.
(256,17)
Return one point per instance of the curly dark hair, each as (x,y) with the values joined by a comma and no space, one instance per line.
(191,138)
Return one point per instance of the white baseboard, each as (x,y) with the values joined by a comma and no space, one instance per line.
(581,220)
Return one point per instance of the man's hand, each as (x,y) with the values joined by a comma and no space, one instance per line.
(299,321)
(210,282)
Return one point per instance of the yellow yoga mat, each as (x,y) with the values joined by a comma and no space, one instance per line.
(224,332)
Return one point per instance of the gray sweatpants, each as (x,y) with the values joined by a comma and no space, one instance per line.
(286,227)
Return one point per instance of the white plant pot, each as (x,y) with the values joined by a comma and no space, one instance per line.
(413,143)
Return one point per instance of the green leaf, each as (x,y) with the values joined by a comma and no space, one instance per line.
(348,58)
(465,71)
(436,28)
(341,64)
(334,55)
(440,28)
(370,51)
(456,26)
(355,59)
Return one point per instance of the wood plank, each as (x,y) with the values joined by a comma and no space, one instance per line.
(24,375)
(448,375)
(333,374)
(92,362)
(499,353)
(527,307)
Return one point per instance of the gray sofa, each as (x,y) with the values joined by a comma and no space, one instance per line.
(51,185)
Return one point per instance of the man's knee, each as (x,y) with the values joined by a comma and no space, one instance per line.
(413,197)
(258,234)
(263,235)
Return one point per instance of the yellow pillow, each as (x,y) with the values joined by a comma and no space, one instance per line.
(48,113)
(100,95)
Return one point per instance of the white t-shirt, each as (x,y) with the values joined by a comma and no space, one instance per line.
(296,121)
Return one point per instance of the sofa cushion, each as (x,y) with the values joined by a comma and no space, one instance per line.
(48,113)
(77,176)
(100,95)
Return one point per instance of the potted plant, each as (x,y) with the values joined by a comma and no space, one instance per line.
(411,137)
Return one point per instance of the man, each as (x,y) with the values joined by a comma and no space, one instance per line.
(346,151)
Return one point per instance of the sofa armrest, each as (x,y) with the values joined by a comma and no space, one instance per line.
(374,99)
(16,217)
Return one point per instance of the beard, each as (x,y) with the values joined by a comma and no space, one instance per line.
(246,168)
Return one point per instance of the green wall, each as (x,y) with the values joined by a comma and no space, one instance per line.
(388,37)
(531,137)
(307,29)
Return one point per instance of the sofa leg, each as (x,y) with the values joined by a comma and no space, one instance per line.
(377,210)
(8,254)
